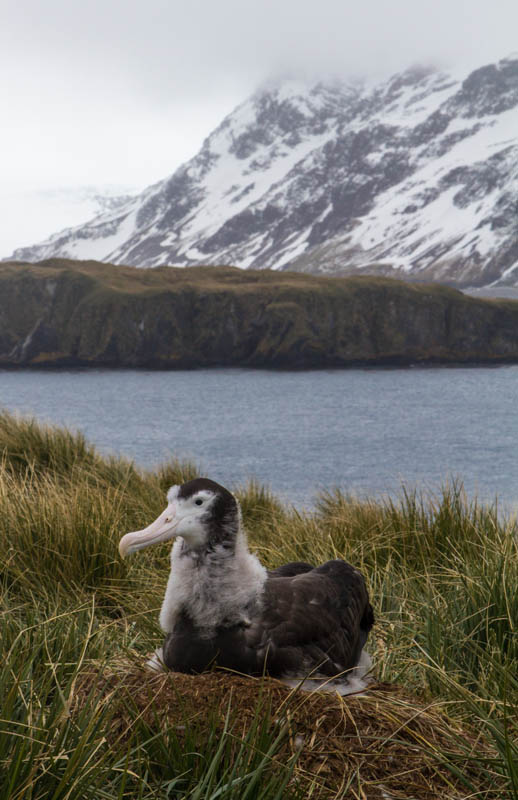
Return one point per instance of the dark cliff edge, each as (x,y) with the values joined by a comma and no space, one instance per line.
(69,313)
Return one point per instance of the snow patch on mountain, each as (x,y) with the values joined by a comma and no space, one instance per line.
(415,176)
(32,212)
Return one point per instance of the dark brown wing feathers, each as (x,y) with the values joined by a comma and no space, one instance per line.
(319,616)
(311,619)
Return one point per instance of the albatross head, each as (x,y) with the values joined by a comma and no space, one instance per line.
(201,511)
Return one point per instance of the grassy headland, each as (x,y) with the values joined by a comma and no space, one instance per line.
(80,719)
(71,313)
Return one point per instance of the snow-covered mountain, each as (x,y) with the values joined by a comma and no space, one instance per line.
(416,176)
(33,211)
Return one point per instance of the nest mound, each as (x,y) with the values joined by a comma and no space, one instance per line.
(385,741)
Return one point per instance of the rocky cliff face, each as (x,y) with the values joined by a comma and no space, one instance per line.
(416,176)
(61,313)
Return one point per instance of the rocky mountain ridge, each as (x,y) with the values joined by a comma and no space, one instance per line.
(415,177)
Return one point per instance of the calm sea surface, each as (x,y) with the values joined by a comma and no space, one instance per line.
(367,431)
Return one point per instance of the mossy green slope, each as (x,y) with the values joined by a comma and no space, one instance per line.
(80,720)
(62,312)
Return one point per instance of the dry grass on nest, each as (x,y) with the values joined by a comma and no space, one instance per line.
(383,743)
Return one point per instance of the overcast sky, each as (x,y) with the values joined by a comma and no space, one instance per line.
(123,91)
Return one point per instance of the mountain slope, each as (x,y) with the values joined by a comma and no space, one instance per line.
(416,176)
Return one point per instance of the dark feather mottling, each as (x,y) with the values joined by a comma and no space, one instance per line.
(322,615)
(222,519)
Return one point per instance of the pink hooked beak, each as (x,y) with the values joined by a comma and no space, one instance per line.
(162,529)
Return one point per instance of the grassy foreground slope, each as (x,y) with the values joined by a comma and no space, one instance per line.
(62,312)
(79,718)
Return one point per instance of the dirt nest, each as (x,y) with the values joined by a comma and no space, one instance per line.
(383,743)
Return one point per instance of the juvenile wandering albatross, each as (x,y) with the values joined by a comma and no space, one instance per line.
(222,607)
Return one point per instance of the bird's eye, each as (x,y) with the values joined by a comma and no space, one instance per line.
(198,501)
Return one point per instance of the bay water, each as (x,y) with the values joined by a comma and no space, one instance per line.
(368,431)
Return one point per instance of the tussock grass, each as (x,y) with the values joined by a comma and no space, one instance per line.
(78,718)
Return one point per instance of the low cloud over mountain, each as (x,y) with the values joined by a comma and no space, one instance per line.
(416,176)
